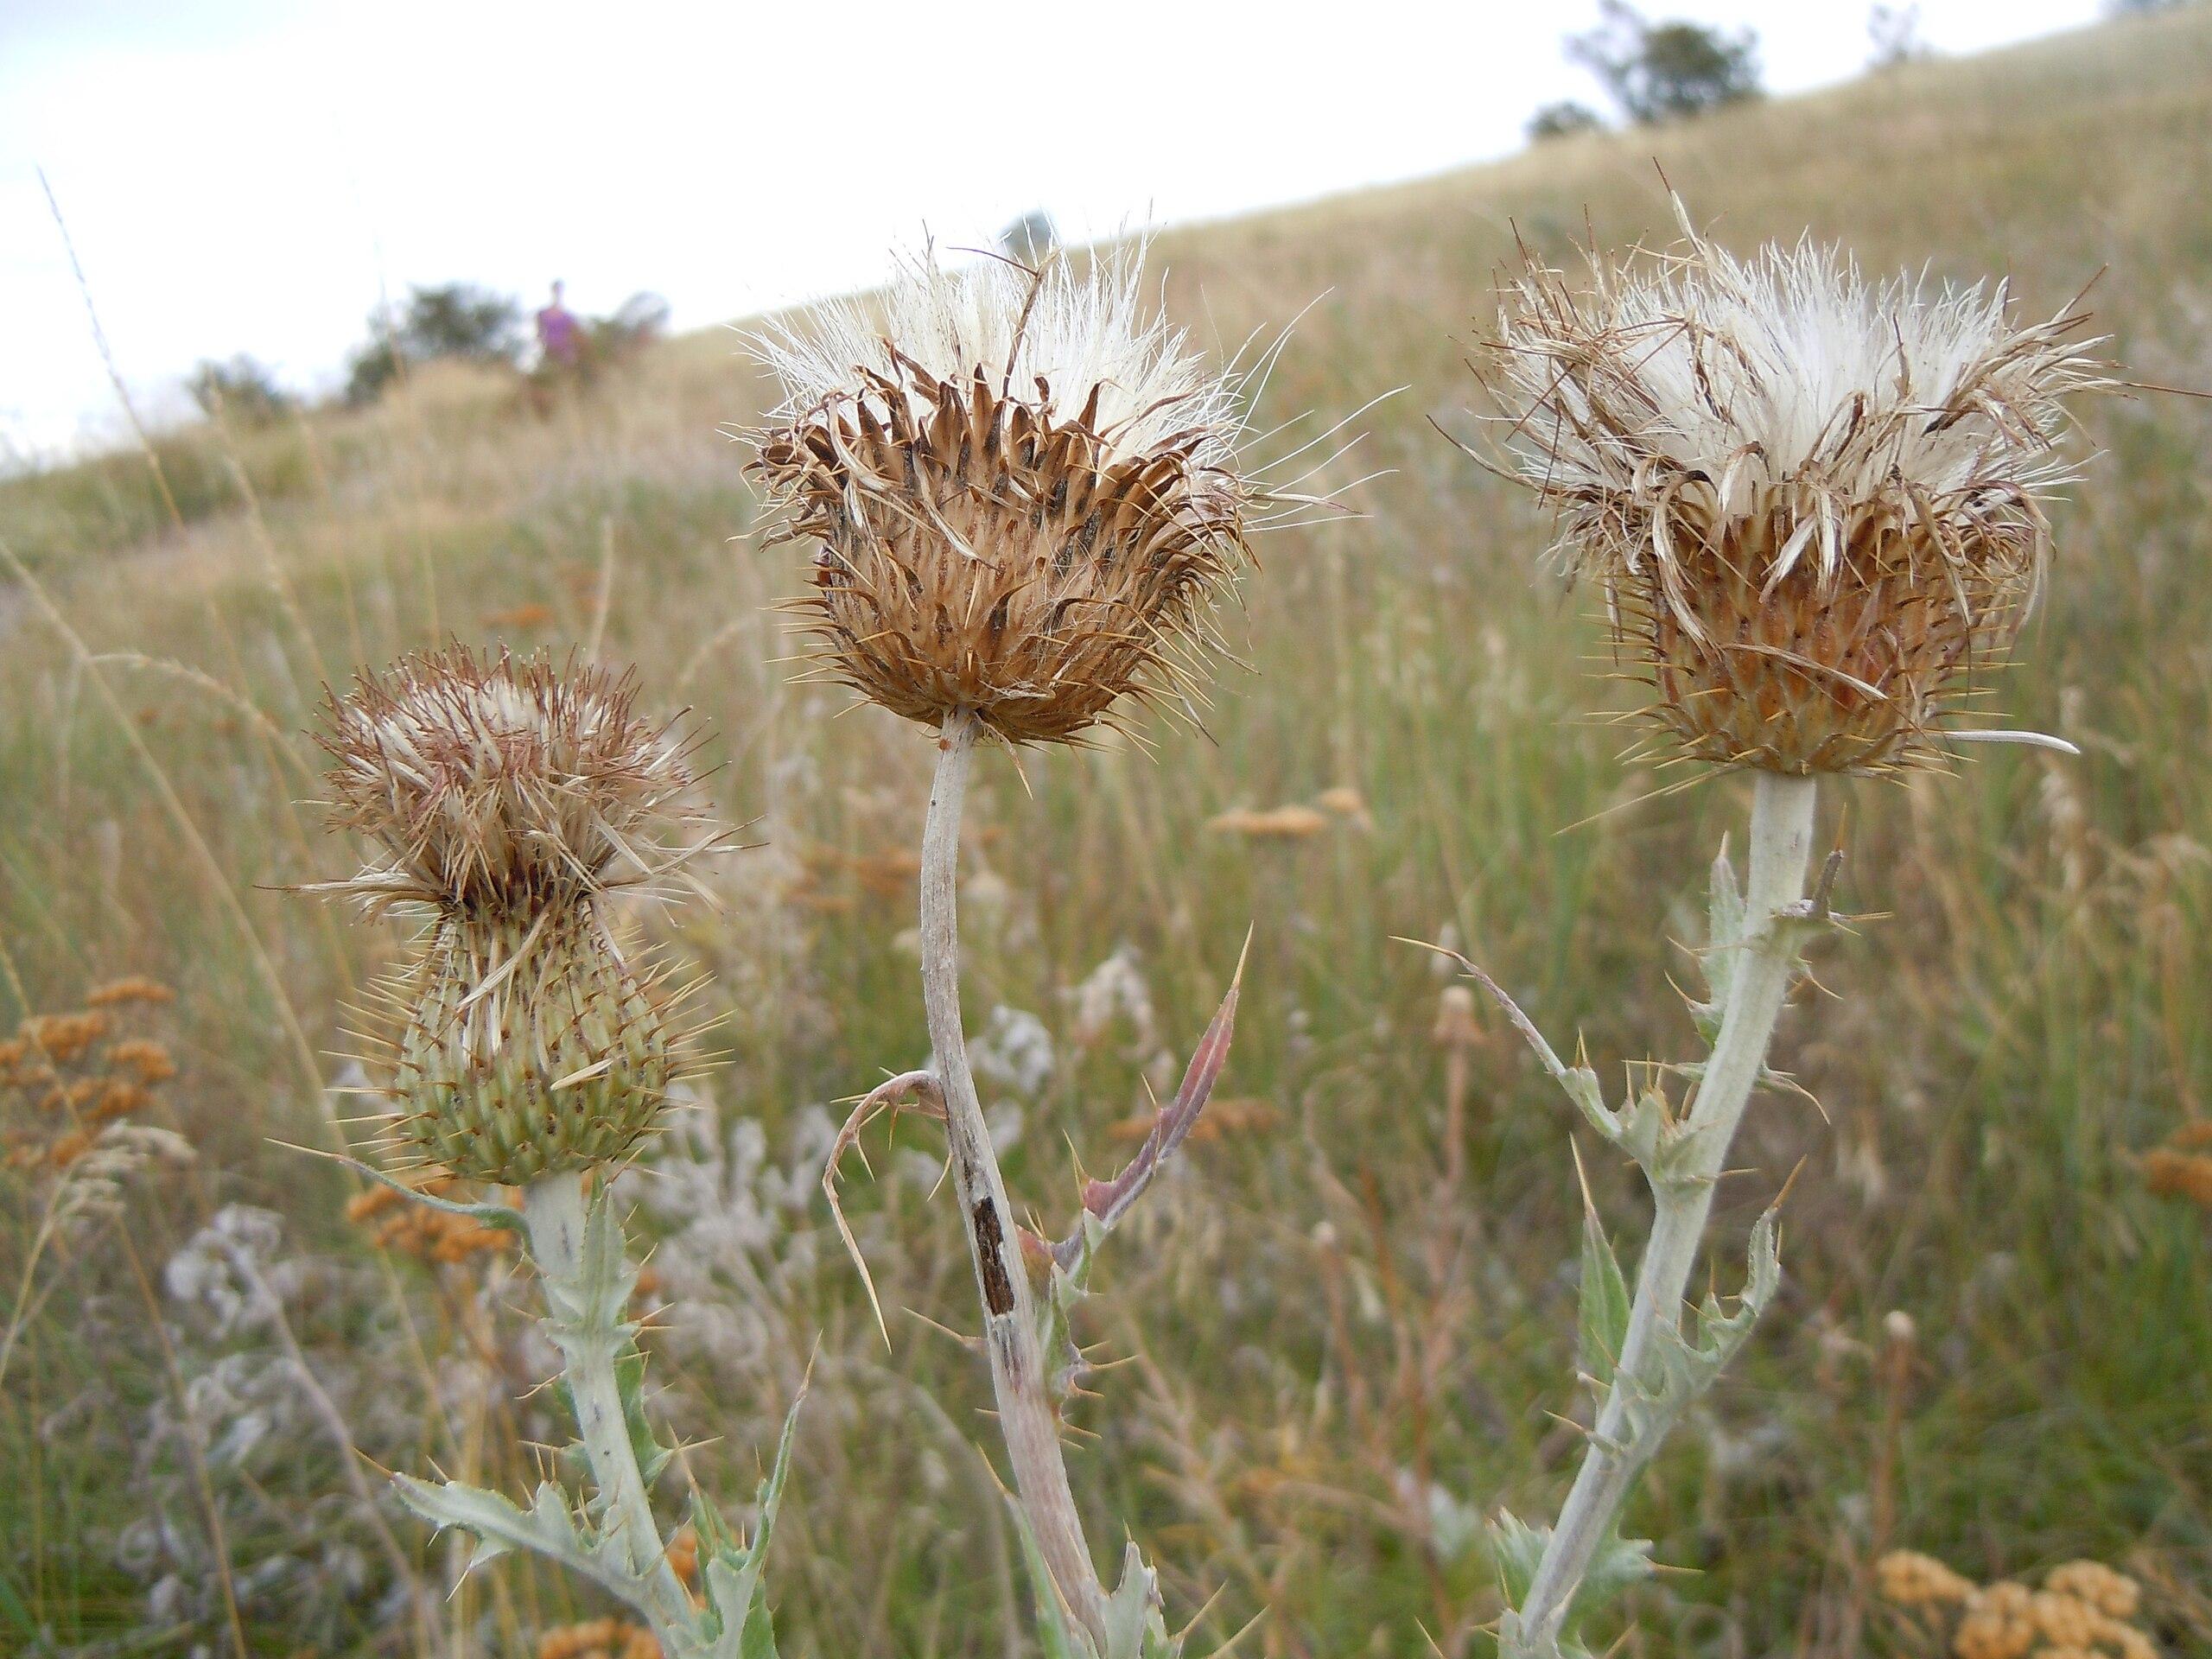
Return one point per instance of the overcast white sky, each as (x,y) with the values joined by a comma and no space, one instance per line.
(247,176)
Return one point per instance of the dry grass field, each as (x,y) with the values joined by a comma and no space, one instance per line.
(1347,1320)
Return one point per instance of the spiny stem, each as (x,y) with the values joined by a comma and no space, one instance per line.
(555,1213)
(1781,839)
(1018,1378)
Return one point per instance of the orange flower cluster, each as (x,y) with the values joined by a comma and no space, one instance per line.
(1908,1578)
(1294,821)
(437,1236)
(890,874)
(2082,1611)
(2183,1167)
(599,1638)
(65,1078)
(133,987)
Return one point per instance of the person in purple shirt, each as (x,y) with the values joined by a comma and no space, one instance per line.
(560,336)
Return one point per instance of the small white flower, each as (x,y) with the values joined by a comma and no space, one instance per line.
(1014,1052)
(1113,991)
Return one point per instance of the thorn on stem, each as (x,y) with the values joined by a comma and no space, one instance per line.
(892,1095)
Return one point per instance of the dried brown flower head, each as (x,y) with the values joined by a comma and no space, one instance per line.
(1347,804)
(492,784)
(1023,489)
(509,799)
(2172,1174)
(1814,503)
(2110,1593)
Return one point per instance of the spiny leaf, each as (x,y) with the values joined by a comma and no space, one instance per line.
(1518,1547)
(547,1527)
(1721,1334)
(629,1385)
(1602,1326)
(607,1279)
(1135,1629)
(1108,1201)
(1579,1082)
(1619,1563)
(1723,941)
(734,1598)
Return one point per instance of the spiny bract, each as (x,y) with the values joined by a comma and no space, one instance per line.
(1814,503)
(532,1048)
(1024,490)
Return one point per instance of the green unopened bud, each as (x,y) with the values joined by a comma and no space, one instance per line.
(532,1048)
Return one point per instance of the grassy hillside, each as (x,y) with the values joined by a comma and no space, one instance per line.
(1350,1338)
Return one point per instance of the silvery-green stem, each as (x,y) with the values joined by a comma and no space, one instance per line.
(614,1542)
(1782,838)
(1018,1377)
(554,1212)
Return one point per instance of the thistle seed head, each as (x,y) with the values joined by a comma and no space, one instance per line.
(530,1048)
(497,785)
(508,798)
(1815,504)
(1022,487)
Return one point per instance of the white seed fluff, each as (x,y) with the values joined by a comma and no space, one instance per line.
(1077,328)
(1784,374)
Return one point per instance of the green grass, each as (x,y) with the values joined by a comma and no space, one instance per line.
(1319,1331)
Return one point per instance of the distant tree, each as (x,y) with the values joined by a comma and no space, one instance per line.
(450,320)
(1658,72)
(370,369)
(461,320)
(240,390)
(1893,32)
(1563,120)
(639,320)
(1030,236)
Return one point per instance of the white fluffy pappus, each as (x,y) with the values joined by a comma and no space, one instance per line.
(1814,503)
(1787,373)
(486,777)
(1077,325)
